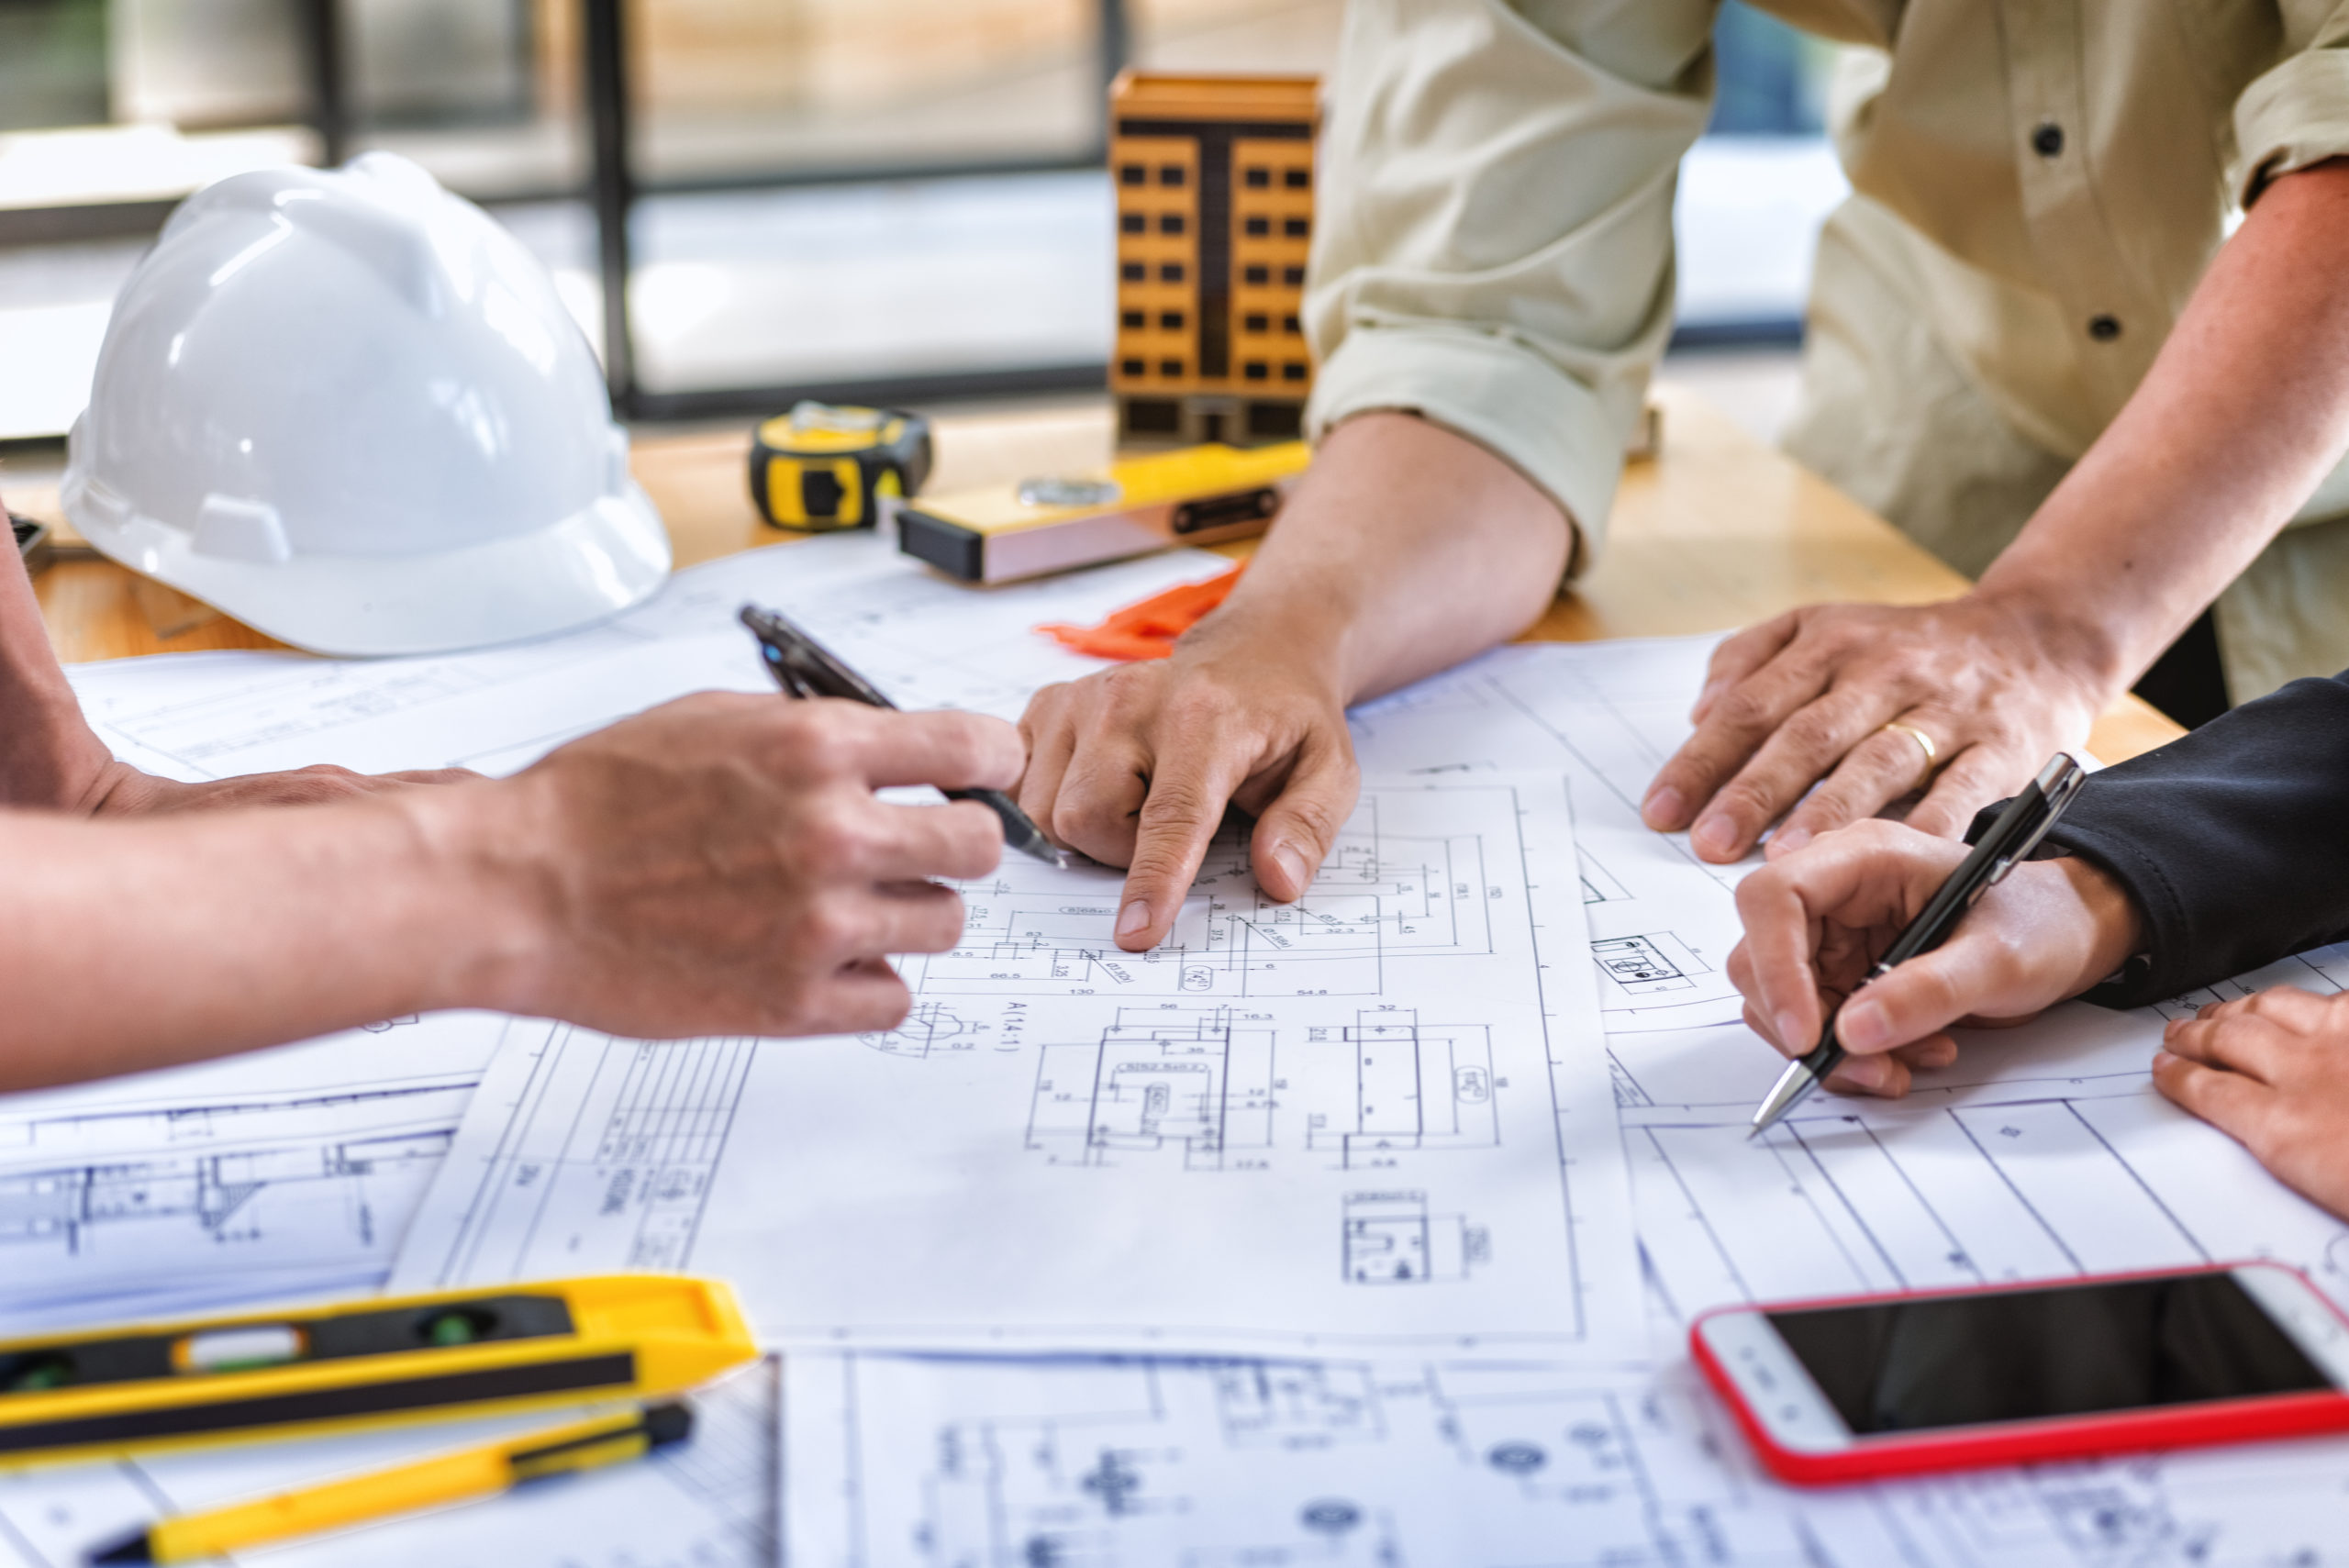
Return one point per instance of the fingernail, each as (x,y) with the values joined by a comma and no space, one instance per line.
(1292,866)
(1787,841)
(1791,1032)
(1134,917)
(1862,1026)
(1716,836)
(1662,807)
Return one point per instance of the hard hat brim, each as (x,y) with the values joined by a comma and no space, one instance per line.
(609,556)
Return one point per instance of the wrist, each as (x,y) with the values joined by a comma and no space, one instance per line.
(486,889)
(2115,928)
(1299,636)
(2056,620)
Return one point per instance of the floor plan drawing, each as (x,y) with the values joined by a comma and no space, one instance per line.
(1160,1463)
(1380,896)
(1197,1082)
(1125,1167)
(279,1172)
(2043,1152)
(1219,1086)
(1395,1239)
(1608,715)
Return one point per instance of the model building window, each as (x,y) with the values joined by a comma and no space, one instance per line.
(1132,175)
(1131,367)
(1171,272)
(1132,271)
(1133,318)
(1257,370)
(1290,324)
(1259,178)
(1170,367)
(1171,174)
(1257,323)
(1292,373)
(1171,320)
(1131,223)
(1260,226)
(1293,276)
(1297,179)
(1170,223)
(1296,228)
(1258,275)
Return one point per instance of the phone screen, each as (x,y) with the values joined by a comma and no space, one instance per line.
(2071,1351)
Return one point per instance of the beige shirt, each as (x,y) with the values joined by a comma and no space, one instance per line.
(2038,187)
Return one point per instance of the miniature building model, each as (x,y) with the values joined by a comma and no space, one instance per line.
(1215,215)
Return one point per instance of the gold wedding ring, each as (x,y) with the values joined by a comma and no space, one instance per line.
(1924,741)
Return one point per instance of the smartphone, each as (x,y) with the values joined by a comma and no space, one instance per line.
(1863,1387)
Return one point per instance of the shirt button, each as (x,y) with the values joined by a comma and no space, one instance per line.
(2048,139)
(2104,329)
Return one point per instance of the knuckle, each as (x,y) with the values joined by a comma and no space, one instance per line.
(829,928)
(1744,707)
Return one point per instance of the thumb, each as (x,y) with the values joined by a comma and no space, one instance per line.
(1924,995)
(1295,832)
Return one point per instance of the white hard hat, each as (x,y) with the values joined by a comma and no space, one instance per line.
(348,408)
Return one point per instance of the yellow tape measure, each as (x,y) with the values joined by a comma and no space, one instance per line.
(823,466)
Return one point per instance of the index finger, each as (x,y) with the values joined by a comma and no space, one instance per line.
(1781,905)
(1739,656)
(1188,793)
(1743,716)
(943,747)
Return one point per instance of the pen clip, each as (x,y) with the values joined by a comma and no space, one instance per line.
(2057,783)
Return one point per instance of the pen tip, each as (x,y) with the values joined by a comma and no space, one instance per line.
(134,1549)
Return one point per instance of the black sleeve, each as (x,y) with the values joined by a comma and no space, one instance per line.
(2232,841)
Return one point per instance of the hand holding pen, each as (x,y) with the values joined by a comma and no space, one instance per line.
(804,667)
(1868,915)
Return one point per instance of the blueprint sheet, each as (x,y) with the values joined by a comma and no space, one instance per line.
(708,1503)
(892,1462)
(2043,1152)
(276,1174)
(1381,1113)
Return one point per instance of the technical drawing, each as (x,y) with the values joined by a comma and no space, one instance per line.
(1217,1083)
(1391,1238)
(1295,1405)
(1381,894)
(1599,883)
(1195,1081)
(1645,965)
(1412,1087)
(108,1199)
(930,1027)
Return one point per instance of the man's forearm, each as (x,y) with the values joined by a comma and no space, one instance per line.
(48,755)
(132,945)
(1407,550)
(2242,414)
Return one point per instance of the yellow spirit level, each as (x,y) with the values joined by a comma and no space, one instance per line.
(364,1364)
(1197,496)
(822,466)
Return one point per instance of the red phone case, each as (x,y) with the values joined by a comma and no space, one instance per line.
(2214,1421)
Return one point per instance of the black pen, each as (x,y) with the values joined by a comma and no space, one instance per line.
(2011,837)
(804,667)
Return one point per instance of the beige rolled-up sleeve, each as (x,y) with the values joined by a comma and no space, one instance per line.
(2296,113)
(1494,239)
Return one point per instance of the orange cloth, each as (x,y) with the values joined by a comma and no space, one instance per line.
(1148,627)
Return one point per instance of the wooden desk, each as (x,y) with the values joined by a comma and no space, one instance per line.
(1717,532)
